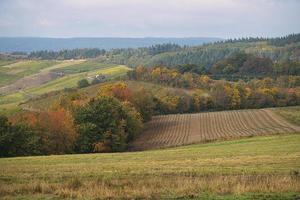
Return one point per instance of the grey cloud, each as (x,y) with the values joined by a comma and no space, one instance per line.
(140,18)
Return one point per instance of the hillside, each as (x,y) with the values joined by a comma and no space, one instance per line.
(255,57)
(286,49)
(26,79)
(253,168)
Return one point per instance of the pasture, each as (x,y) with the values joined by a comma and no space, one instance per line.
(182,129)
(265,167)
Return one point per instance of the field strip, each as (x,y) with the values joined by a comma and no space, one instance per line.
(181,129)
(16,64)
(65,63)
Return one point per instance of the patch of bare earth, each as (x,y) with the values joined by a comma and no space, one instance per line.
(30,81)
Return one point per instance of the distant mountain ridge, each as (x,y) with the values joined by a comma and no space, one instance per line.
(29,44)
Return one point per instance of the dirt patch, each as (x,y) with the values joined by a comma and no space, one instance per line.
(30,81)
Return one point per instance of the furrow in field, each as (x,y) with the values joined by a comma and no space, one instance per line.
(182,129)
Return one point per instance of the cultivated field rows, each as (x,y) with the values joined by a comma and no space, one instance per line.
(181,129)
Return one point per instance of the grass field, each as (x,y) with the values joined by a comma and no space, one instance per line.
(181,129)
(14,71)
(292,114)
(89,65)
(265,167)
(64,64)
(6,62)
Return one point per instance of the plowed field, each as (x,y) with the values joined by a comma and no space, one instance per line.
(181,129)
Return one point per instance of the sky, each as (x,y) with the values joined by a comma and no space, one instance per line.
(149,18)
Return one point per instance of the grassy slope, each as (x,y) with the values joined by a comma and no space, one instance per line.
(9,102)
(6,62)
(63,64)
(291,114)
(71,80)
(89,65)
(12,72)
(239,168)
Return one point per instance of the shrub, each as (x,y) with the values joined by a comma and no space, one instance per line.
(83,83)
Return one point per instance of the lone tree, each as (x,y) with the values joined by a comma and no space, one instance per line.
(83,83)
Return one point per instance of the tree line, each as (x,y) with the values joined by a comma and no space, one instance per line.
(279,50)
(277,41)
(95,52)
(67,54)
(201,93)
(241,63)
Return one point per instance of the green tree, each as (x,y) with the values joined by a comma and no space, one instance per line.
(17,140)
(105,125)
(133,120)
(143,101)
(83,83)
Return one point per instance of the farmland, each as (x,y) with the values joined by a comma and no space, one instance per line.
(183,129)
(14,71)
(254,168)
(71,80)
(23,80)
(290,113)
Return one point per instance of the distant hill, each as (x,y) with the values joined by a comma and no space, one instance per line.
(29,44)
(284,49)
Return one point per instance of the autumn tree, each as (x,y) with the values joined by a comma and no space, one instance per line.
(143,102)
(54,127)
(18,139)
(118,90)
(197,100)
(133,121)
(105,125)
(222,95)
(235,98)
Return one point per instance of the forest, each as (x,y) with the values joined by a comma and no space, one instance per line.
(281,51)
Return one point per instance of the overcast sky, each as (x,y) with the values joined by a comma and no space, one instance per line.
(149,18)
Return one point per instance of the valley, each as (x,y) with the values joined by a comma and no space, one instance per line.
(216,121)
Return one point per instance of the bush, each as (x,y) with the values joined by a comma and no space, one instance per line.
(83,83)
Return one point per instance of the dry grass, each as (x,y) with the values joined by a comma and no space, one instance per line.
(264,165)
(158,187)
(291,114)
